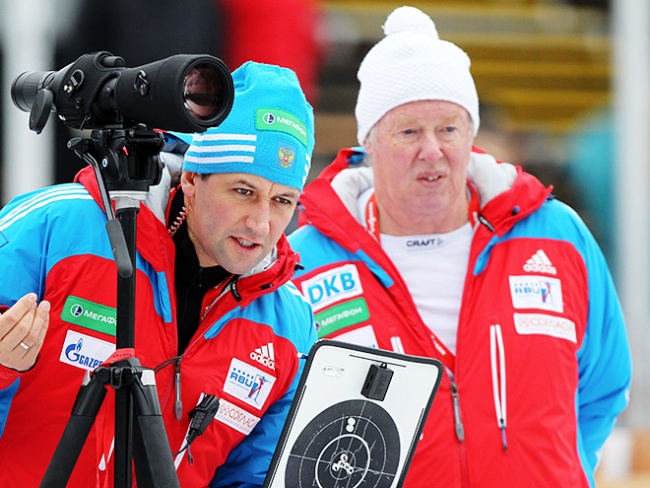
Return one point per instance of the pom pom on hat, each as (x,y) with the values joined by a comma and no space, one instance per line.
(269,132)
(412,63)
(409,19)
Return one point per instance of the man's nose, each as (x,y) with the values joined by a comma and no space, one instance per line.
(430,147)
(258,220)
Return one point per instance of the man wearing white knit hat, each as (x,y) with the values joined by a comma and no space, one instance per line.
(420,243)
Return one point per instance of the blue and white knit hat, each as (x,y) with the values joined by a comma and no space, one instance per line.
(269,131)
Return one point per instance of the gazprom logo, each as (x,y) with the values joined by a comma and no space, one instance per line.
(332,286)
(268,118)
(84,351)
(74,353)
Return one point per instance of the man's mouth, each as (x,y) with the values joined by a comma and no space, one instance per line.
(245,243)
(432,178)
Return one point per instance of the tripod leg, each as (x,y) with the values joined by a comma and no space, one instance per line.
(154,465)
(87,404)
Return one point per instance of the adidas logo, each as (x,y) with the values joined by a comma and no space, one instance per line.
(264,355)
(539,262)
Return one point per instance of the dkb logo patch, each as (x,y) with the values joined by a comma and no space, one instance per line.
(332,286)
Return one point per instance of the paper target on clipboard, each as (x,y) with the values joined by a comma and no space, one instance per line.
(355,420)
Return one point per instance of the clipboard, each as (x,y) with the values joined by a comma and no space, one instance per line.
(356,418)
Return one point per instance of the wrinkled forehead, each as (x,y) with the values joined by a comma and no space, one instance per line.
(249,181)
(428,109)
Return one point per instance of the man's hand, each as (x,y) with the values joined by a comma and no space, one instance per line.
(22,332)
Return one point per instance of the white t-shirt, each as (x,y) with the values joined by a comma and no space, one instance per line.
(434,268)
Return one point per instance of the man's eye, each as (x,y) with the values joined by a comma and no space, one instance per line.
(244,191)
(284,201)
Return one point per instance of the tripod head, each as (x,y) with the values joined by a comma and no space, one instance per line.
(127,159)
(126,162)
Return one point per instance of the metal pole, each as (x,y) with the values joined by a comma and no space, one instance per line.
(631,61)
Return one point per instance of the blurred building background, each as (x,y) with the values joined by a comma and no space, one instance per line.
(563,86)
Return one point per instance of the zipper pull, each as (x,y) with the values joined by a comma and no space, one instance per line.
(178,403)
(504,440)
(460,430)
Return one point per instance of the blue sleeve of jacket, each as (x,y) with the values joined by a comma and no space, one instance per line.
(37,230)
(21,269)
(6,395)
(604,360)
(23,231)
(247,464)
(252,457)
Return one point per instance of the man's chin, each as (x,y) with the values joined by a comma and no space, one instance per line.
(243,264)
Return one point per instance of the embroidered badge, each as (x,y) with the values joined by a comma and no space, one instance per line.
(541,292)
(332,286)
(85,352)
(248,383)
(538,323)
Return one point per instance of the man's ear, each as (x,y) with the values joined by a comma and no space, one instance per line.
(188,183)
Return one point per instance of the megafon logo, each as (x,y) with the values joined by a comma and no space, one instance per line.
(76,310)
(268,118)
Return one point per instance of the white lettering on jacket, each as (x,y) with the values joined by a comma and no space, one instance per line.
(235,417)
(332,286)
(538,323)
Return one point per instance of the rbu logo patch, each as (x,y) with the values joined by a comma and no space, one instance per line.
(332,286)
(540,292)
(248,383)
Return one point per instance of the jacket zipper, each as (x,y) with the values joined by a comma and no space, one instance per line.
(178,402)
(498,367)
(231,287)
(460,435)
(458,422)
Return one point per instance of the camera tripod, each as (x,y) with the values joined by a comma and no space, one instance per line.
(125,162)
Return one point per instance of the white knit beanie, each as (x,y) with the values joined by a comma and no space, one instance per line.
(412,63)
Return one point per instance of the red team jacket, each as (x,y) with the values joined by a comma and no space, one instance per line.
(542,367)
(245,351)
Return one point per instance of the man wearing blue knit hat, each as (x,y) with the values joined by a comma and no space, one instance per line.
(262,153)
(217,316)
(268,133)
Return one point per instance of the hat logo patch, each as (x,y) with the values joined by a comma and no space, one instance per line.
(275,119)
(286,156)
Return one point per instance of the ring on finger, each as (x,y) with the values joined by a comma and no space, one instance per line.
(24,346)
